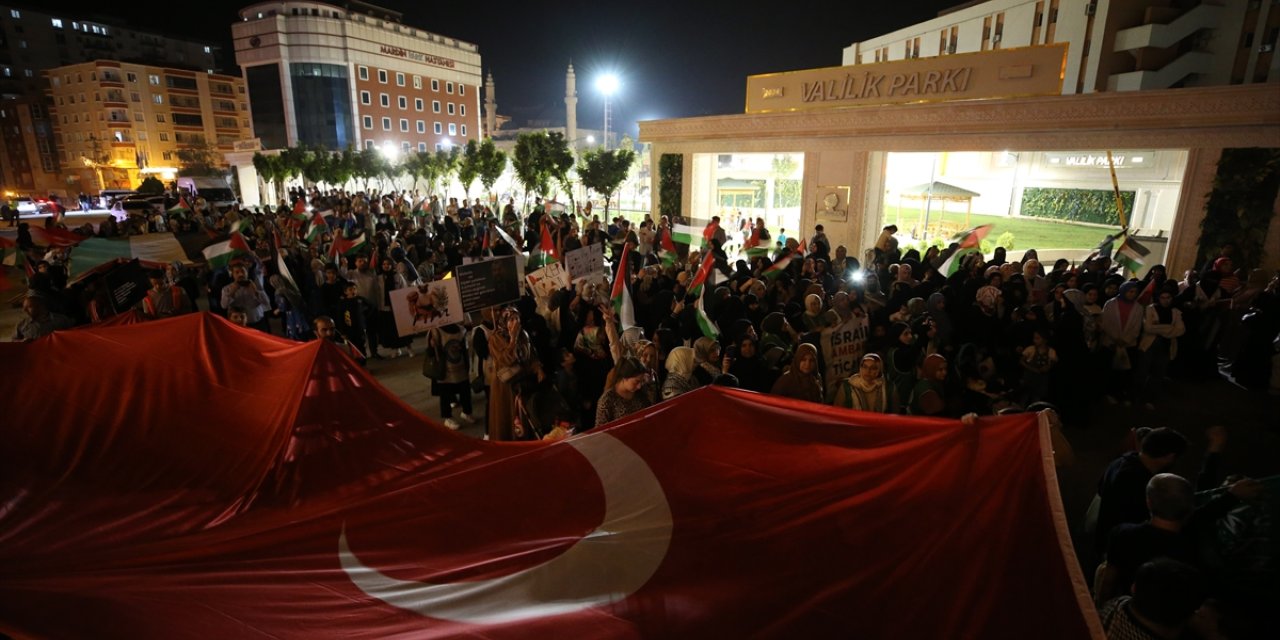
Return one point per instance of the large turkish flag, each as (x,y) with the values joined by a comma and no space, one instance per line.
(185,478)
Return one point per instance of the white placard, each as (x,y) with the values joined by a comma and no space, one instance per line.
(420,308)
(585,262)
(548,280)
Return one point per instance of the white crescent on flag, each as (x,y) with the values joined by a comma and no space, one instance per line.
(608,564)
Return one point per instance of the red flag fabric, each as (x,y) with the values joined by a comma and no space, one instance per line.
(54,237)
(704,272)
(548,246)
(300,206)
(194,479)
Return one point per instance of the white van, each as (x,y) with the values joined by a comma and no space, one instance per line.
(214,190)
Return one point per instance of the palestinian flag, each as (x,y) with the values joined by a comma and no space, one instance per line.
(708,327)
(973,237)
(280,263)
(181,207)
(343,246)
(684,234)
(755,247)
(300,209)
(506,237)
(1132,255)
(551,206)
(317,228)
(219,254)
(709,232)
(704,271)
(667,249)
(776,269)
(953,263)
(244,225)
(548,246)
(54,237)
(621,295)
(802,248)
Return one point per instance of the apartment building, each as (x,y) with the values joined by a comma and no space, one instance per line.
(116,122)
(355,76)
(1112,45)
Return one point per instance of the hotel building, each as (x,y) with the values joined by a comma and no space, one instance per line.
(353,75)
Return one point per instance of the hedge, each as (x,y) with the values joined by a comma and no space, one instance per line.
(1075,205)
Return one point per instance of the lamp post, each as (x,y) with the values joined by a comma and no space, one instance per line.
(608,85)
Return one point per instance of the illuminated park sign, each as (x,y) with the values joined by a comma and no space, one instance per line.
(1007,73)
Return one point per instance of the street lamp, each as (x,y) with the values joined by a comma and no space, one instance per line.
(591,139)
(608,85)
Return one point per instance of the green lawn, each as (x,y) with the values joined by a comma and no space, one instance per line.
(1028,233)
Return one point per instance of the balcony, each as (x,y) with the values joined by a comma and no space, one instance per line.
(1187,64)
(1163,36)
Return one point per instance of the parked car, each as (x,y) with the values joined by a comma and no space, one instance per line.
(28,206)
(138,206)
(107,198)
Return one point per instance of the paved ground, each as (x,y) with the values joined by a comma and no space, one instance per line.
(1251,419)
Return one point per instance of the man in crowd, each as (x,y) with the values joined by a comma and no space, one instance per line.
(249,296)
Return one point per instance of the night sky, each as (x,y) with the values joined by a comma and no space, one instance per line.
(674,58)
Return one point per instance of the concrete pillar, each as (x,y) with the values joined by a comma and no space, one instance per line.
(1271,245)
(1197,182)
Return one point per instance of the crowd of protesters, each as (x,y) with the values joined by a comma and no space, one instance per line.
(933,333)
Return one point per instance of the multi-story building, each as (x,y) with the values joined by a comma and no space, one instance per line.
(34,40)
(355,76)
(1112,45)
(116,122)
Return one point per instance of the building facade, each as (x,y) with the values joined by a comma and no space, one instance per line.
(33,41)
(117,122)
(355,76)
(1112,45)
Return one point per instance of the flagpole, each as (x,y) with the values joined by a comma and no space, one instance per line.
(1115,188)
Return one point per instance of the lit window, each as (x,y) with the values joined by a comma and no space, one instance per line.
(404,125)
(384,99)
(435,106)
(450,108)
(382,76)
(386,124)
(453,129)
(368,122)
(158,99)
(364,73)
(399,79)
(208,49)
(57,23)
(14,13)
(448,87)
(417,104)
(435,85)
(154,79)
(438,129)
(403,102)
(422,126)
(365,98)
(28,73)
(417,82)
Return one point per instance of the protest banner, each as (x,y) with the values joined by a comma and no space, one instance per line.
(585,262)
(488,283)
(419,308)
(547,280)
(843,346)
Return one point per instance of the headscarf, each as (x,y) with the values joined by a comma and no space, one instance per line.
(987,297)
(702,349)
(795,384)
(680,361)
(916,307)
(936,306)
(862,384)
(1076,298)
(932,363)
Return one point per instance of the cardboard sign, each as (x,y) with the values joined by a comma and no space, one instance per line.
(842,349)
(488,283)
(548,280)
(421,308)
(585,262)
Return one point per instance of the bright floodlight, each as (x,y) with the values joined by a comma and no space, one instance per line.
(607,84)
(390,151)
(591,139)
(446,143)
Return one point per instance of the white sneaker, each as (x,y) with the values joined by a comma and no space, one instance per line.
(452,424)
(469,419)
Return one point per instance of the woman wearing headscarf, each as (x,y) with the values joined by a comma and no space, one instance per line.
(928,397)
(707,361)
(680,380)
(1122,319)
(394,276)
(775,332)
(901,359)
(749,367)
(936,309)
(812,317)
(866,390)
(801,380)
(1162,325)
(513,359)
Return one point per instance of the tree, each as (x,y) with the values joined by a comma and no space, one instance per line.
(316,164)
(198,159)
(293,161)
(786,189)
(469,167)
(603,171)
(493,162)
(560,162)
(532,163)
(447,165)
(368,165)
(151,185)
(271,169)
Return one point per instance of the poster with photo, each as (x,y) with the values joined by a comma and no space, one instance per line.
(428,305)
(585,262)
